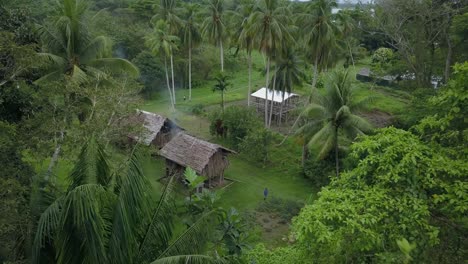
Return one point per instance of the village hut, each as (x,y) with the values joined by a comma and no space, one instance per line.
(366,75)
(207,159)
(156,130)
(283,102)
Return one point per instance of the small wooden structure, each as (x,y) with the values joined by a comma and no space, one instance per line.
(283,102)
(157,130)
(366,75)
(207,159)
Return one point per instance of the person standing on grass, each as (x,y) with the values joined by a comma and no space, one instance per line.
(265,193)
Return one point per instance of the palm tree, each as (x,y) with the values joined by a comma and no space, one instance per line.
(160,41)
(269,26)
(191,37)
(346,27)
(330,116)
(319,33)
(111,217)
(214,28)
(167,11)
(245,38)
(222,84)
(74,51)
(288,73)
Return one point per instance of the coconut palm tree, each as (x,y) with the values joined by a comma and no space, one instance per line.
(214,28)
(245,37)
(191,37)
(222,84)
(161,41)
(268,24)
(332,116)
(107,216)
(74,51)
(346,27)
(319,30)
(288,73)
(167,10)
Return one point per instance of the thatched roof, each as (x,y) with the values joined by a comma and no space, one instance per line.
(152,123)
(365,72)
(277,96)
(189,151)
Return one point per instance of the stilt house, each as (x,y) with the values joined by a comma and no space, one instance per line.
(283,102)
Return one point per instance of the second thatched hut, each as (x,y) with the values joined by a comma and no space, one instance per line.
(156,130)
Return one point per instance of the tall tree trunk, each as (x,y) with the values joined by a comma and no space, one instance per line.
(272,97)
(266,90)
(222,100)
(190,67)
(221,54)
(282,103)
(337,161)
(351,54)
(250,76)
(314,80)
(448,60)
(172,74)
(167,83)
(304,153)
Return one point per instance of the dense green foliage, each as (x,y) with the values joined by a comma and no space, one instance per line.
(72,73)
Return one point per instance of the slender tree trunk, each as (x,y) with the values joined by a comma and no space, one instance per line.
(222,100)
(314,80)
(167,83)
(250,77)
(448,60)
(221,51)
(304,153)
(190,67)
(337,161)
(266,90)
(172,74)
(272,97)
(351,54)
(282,103)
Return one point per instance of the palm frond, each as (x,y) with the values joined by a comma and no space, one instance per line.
(188,259)
(132,206)
(48,78)
(82,227)
(193,239)
(47,228)
(116,65)
(159,230)
(91,167)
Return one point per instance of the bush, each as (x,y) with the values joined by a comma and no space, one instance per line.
(382,55)
(286,209)
(235,125)
(319,171)
(197,109)
(256,145)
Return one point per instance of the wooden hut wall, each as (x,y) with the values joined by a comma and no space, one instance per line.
(216,166)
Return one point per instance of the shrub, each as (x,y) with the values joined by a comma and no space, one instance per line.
(256,145)
(319,171)
(382,55)
(197,109)
(285,208)
(235,125)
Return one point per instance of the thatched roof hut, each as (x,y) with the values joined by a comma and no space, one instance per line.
(207,159)
(157,130)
